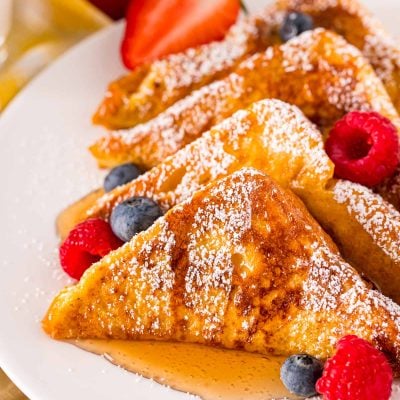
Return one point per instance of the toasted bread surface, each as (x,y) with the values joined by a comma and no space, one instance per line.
(365,228)
(277,139)
(318,71)
(149,90)
(240,265)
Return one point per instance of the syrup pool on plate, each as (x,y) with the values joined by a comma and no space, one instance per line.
(212,374)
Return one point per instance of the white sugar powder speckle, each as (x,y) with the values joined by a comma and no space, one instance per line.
(378,218)
(348,84)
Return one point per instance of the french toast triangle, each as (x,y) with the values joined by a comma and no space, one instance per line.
(240,265)
(276,138)
(150,89)
(318,71)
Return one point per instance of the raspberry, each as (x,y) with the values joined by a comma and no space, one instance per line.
(86,244)
(356,371)
(364,147)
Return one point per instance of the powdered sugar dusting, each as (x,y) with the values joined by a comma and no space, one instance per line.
(185,69)
(346,82)
(176,76)
(287,131)
(380,219)
(150,90)
(375,43)
(180,280)
(269,127)
(151,266)
(379,47)
(325,273)
(171,130)
(215,235)
(203,161)
(333,286)
(353,86)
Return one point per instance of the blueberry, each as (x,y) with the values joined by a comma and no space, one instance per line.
(120,175)
(299,373)
(133,216)
(294,24)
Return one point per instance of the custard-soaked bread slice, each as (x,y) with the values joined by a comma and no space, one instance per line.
(277,139)
(270,135)
(240,265)
(318,71)
(359,27)
(365,228)
(148,90)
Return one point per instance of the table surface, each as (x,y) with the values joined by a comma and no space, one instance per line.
(8,391)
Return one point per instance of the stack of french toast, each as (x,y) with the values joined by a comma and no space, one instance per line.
(262,245)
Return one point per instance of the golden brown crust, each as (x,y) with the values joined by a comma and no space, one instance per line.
(318,71)
(365,228)
(270,135)
(322,75)
(240,265)
(149,90)
(359,27)
(277,139)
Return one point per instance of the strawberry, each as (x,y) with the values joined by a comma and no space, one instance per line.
(156,28)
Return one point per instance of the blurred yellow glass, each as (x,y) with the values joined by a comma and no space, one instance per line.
(35,32)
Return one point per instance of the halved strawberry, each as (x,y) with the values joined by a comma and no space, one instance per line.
(156,28)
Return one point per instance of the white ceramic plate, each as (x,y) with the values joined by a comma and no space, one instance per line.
(44,165)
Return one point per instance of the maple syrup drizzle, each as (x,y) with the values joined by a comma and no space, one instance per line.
(212,374)
(75,213)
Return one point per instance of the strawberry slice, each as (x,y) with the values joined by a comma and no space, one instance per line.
(156,28)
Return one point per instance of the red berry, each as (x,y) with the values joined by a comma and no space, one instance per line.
(86,244)
(357,371)
(364,147)
(157,28)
